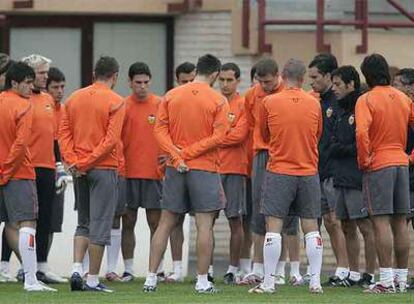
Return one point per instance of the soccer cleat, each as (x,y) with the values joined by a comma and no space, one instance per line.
(261,289)
(173,278)
(5,277)
(99,288)
(306,279)
(280,280)
(50,278)
(20,275)
(149,288)
(379,288)
(316,289)
(251,279)
(335,281)
(112,277)
(38,287)
(160,277)
(401,287)
(76,282)
(127,277)
(296,281)
(210,278)
(209,289)
(229,278)
(366,281)
(411,286)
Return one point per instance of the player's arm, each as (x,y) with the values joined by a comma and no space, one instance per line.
(110,141)
(238,133)
(363,120)
(262,121)
(18,149)
(220,128)
(163,136)
(65,140)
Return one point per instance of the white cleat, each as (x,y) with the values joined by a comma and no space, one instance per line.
(5,277)
(260,289)
(55,277)
(38,287)
(280,280)
(316,289)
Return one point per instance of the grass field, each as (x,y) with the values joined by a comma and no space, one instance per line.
(184,293)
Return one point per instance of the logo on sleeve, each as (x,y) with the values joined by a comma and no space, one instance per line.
(151,119)
(329,112)
(351,119)
(231,117)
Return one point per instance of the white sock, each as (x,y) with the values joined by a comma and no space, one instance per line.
(342,272)
(202,281)
(129,265)
(178,268)
(294,269)
(401,275)
(246,265)
(5,266)
(280,268)
(77,267)
(232,269)
(211,270)
(112,251)
(386,276)
(43,267)
(27,249)
(85,263)
(308,270)
(354,276)
(151,279)
(92,280)
(258,269)
(314,251)
(161,266)
(272,247)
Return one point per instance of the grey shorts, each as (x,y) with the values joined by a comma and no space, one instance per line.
(285,195)
(411,215)
(197,190)
(97,193)
(56,220)
(290,225)
(248,215)
(144,193)
(328,196)
(386,191)
(258,224)
(122,196)
(234,186)
(18,201)
(350,204)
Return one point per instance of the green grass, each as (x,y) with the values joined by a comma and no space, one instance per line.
(184,293)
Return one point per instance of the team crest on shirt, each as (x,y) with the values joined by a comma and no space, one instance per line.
(151,119)
(231,117)
(48,107)
(351,119)
(329,112)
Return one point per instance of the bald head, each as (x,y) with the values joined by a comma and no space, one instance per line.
(294,72)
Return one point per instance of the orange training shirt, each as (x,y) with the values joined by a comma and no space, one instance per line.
(141,149)
(292,121)
(58,116)
(91,128)
(192,122)
(382,116)
(16,119)
(233,151)
(43,131)
(254,97)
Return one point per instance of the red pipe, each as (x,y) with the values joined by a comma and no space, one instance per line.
(401,9)
(263,47)
(246,24)
(363,47)
(320,45)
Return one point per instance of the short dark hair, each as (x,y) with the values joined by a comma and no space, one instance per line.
(375,70)
(252,73)
(139,68)
(325,63)
(266,66)
(407,76)
(185,67)
(231,66)
(106,67)
(18,71)
(348,73)
(56,75)
(208,64)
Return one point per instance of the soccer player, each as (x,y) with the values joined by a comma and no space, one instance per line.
(382,116)
(291,121)
(89,133)
(269,82)
(45,162)
(18,198)
(233,164)
(141,151)
(192,122)
(347,178)
(184,73)
(319,73)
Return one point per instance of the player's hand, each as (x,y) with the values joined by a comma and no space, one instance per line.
(182,167)
(62,178)
(162,159)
